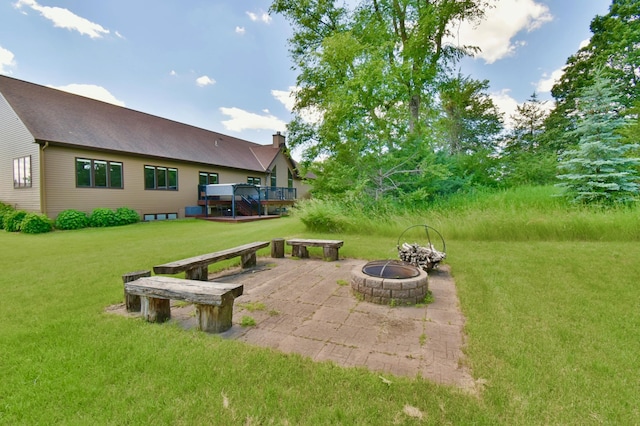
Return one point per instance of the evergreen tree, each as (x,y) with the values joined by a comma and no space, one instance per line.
(526,160)
(528,125)
(597,170)
(613,48)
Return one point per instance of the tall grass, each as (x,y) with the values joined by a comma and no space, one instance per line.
(521,214)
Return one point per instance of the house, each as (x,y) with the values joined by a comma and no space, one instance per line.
(62,151)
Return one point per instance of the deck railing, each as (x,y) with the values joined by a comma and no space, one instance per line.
(272,193)
(267,193)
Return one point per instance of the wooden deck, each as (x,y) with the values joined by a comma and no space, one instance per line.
(238,219)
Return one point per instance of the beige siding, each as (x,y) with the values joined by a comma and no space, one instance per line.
(63,194)
(236,176)
(17,142)
(282,177)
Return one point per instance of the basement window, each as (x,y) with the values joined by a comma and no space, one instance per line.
(160,216)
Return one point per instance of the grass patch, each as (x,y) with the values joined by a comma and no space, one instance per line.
(428,299)
(253,306)
(551,326)
(247,321)
(423,339)
(342,283)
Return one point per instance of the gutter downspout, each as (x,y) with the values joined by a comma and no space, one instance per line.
(43,198)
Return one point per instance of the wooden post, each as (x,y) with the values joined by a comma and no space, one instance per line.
(132,301)
(277,248)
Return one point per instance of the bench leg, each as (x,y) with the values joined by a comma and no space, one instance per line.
(330,253)
(215,319)
(300,251)
(200,273)
(132,301)
(248,259)
(154,309)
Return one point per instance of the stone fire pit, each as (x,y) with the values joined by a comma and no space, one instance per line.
(387,282)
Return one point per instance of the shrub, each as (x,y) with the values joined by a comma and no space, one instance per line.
(72,219)
(322,216)
(13,220)
(4,210)
(126,216)
(102,217)
(34,223)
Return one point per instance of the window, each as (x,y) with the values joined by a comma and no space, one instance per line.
(289,178)
(22,172)
(253,180)
(207,178)
(274,181)
(157,177)
(98,173)
(159,216)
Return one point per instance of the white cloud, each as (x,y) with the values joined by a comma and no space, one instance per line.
(205,81)
(173,73)
(505,104)
(64,18)
(584,43)
(501,24)
(509,106)
(287,98)
(244,120)
(7,61)
(546,83)
(240,30)
(91,91)
(262,17)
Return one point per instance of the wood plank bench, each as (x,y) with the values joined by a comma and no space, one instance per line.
(330,247)
(197,268)
(214,301)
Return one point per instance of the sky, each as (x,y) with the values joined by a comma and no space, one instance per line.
(225,66)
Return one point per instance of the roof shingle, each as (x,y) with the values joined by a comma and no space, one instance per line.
(67,119)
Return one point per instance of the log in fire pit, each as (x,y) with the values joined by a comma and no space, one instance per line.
(388,282)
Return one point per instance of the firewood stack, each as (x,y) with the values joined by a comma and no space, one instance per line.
(426,258)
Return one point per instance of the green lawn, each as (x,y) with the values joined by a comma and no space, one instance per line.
(551,333)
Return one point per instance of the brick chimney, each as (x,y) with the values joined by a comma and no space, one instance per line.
(278,140)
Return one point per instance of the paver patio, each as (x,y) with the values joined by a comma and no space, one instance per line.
(309,309)
(306,306)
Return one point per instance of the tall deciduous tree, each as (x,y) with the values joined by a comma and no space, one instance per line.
(470,122)
(371,73)
(598,171)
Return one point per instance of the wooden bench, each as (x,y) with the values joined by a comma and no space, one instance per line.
(197,268)
(330,247)
(214,301)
